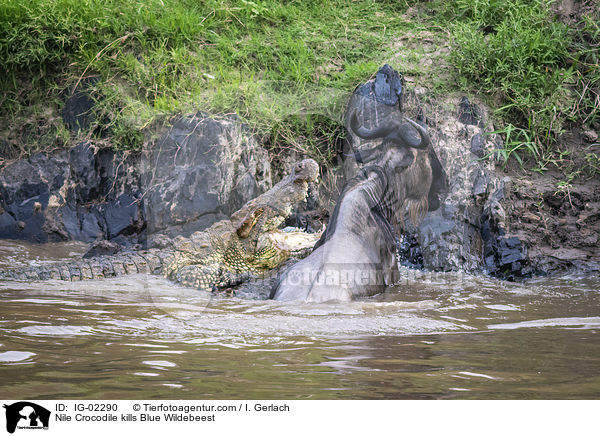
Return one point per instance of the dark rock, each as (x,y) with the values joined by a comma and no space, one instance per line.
(71,224)
(24,195)
(499,194)
(90,227)
(510,243)
(122,216)
(481,183)
(84,172)
(478,147)
(199,172)
(505,256)
(469,113)
(409,251)
(78,110)
(102,248)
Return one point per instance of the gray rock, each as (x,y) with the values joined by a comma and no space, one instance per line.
(77,112)
(25,188)
(450,238)
(84,172)
(480,185)
(478,147)
(122,216)
(469,232)
(470,114)
(200,171)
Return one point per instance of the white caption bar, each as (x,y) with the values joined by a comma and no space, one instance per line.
(463,418)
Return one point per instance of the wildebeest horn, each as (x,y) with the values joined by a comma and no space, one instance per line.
(394,132)
(364,133)
(425,140)
(364,156)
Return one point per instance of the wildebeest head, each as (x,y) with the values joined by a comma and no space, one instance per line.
(405,148)
(394,133)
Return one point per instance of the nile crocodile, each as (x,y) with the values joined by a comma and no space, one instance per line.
(219,257)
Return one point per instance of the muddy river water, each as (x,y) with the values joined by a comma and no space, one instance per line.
(436,335)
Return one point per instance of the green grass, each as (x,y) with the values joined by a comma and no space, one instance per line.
(516,142)
(286,66)
(159,57)
(541,74)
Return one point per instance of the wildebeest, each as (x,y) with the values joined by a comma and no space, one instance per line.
(357,253)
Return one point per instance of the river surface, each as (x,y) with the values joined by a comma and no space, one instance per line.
(435,336)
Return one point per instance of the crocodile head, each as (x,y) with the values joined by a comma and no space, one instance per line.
(306,170)
(267,246)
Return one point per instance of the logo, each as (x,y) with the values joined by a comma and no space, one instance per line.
(26,415)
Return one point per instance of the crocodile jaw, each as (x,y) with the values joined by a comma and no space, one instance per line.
(294,242)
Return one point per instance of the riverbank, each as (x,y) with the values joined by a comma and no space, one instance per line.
(110,71)
(111,83)
(558,220)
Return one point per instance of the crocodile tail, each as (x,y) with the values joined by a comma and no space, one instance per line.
(146,261)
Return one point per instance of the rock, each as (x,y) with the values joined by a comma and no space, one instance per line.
(101,198)
(84,172)
(200,171)
(505,256)
(590,136)
(122,216)
(469,232)
(478,147)
(409,251)
(451,237)
(77,112)
(480,185)
(469,113)
(25,188)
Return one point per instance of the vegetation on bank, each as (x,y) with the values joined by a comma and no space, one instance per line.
(159,57)
(269,61)
(539,70)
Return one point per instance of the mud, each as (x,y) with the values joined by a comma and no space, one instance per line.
(560,223)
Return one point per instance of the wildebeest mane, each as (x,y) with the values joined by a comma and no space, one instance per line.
(380,211)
